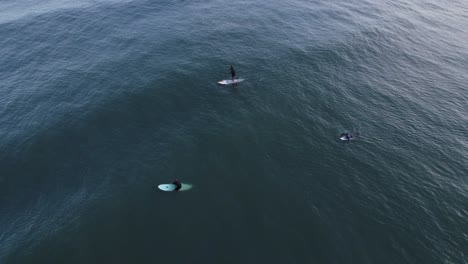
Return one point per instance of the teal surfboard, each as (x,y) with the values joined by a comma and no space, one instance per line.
(171,187)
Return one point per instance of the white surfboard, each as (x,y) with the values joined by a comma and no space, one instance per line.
(228,82)
(352,136)
(171,187)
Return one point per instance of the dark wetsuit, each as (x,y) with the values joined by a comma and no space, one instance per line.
(232,72)
(177,184)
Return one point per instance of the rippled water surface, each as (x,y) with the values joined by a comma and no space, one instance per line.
(103,100)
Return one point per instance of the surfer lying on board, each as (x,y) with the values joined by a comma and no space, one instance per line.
(178,185)
(346,135)
(232,72)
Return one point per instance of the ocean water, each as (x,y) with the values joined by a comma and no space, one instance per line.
(103,100)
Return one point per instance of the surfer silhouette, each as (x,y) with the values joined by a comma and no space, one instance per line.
(178,185)
(232,72)
(346,135)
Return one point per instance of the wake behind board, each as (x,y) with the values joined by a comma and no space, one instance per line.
(171,187)
(228,82)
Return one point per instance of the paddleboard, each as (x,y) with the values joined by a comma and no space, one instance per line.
(228,82)
(171,187)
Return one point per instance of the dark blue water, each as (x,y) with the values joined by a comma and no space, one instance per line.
(103,100)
